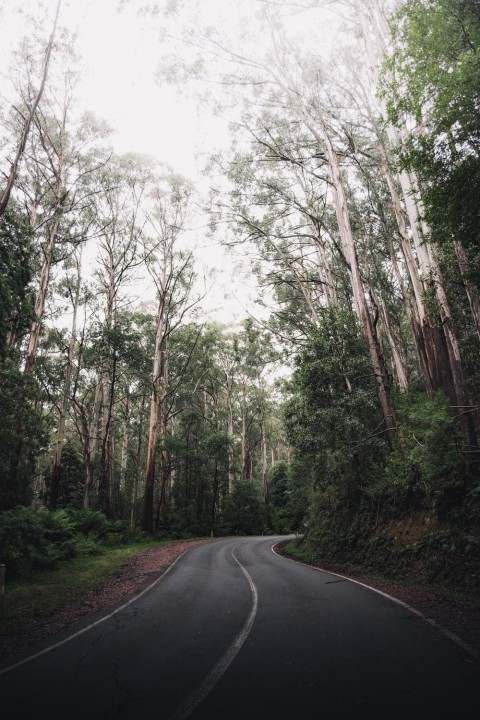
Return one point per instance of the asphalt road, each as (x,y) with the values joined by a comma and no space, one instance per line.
(233,632)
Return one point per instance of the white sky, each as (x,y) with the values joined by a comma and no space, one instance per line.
(120,52)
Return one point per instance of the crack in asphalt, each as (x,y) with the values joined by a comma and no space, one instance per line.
(118,706)
(87,652)
(119,624)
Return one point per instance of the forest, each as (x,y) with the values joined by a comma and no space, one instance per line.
(344,407)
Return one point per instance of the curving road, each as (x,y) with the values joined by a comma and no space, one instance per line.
(234,632)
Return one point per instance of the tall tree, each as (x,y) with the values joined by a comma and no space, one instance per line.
(442,144)
(119,220)
(171,271)
(31,100)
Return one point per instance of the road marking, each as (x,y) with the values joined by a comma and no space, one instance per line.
(94,624)
(186,708)
(467,648)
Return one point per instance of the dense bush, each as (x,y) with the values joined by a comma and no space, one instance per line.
(35,540)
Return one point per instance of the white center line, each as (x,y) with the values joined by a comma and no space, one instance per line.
(186,708)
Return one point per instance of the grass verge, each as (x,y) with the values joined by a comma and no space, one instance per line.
(44,592)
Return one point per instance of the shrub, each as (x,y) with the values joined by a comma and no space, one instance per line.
(32,539)
(39,539)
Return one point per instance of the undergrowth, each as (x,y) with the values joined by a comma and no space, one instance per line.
(40,539)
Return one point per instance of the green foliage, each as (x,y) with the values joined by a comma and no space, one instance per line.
(432,83)
(244,510)
(34,540)
(90,522)
(16,270)
(37,540)
(216,447)
(428,463)
(357,486)
(447,557)
(425,472)
(22,428)
(279,497)
(23,433)
(71,477)
(289,496)
(332,417)
(431,443)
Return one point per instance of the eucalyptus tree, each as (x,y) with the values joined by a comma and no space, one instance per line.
(31,92)
(119,221)
(410,122)
(52,190)
(227,362)
(370,157)
(172,273)
(56,188)
(432,88)
(72,287)
(203,449)
(256,359)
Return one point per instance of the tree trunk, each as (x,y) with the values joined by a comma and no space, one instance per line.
(429,341)
(231,473)
(470,288)
(163,473)
(138,456)
(346,235)
(105,485)
(49,248)
(244,442)
(57,460)
(265,486)
(155,403)
(125,439)
(431,271)
(41,298)
(398,363)
(92,444)
(29,119)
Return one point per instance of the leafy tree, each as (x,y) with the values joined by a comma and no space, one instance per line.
(431,83)
(16,272)
(69,480)
(434,85)
(332,416)
(290,488)
(244,512)
(18,459)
